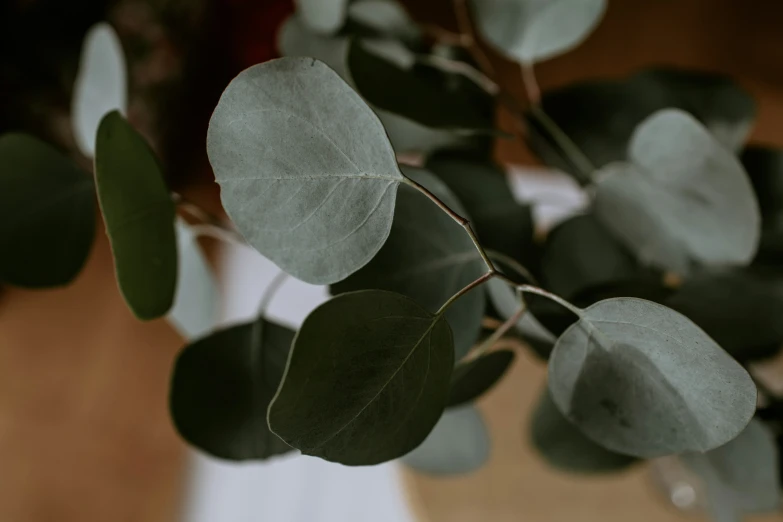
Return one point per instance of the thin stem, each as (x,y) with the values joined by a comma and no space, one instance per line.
(445,36)
(531,84)
(499,332)
(512,263)
(464,223)
(478,282)
(465,69)
(211,225)
(465,25)
(269,294)
(530,289)
(219,233)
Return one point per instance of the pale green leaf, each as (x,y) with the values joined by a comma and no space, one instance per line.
(741,476)
(535,30)
(195,309)
(101,84)
(472,379)
(323,16)
(458,444)
(641,379)
(429,258)
(307,174)
(221,389)
(139,216)
(366,381)
(47,214)
(682,199)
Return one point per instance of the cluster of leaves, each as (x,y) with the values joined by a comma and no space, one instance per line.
(650,302)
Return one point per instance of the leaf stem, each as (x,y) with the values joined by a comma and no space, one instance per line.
(210,225)
(530,289)
(478,282)
(499,332)
(219,233)
(466,30)
(269,293)
(512,263)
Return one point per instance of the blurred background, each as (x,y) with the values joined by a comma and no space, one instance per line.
(84,428)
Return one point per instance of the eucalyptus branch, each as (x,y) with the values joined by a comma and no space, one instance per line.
(530,289)
(210,224)
(478,282)
(269,293)
(499,332)
(513,264)
(218,232)
(466,29)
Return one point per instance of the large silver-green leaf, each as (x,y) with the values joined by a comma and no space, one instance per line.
(366,381)
(741,476)
(534,30)
(306,171)
(472,379)
(323,16)
(47,214)
(682,198)
(641,379)
(195,308)
(564,447)
(139,216)
(295,40)
(429,258)
(387,17)
(599,116)
(101,84)
(221,389)
(458,444)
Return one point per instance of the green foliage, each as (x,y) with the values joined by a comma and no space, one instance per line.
(322,204)
(765,168)
(681,199)
(323,16)
(429,258)
(472,379)
(47,214)
(139,216)
(367,379)
(222,386)
(386,17)
(640,379)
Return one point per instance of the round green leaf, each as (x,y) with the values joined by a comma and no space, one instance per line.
(535,30)
(641,379)
(741,476)
(564,447)
(429,258)
(458,444)
(682,198)
(221,389)
(306,174)
(323,16)
(47,214)
(386,17)
(502,224)
(472,379)
(600,116)
(139,216)
(366,381)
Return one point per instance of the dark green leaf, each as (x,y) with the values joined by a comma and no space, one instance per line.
(682,199)
(742,475)
(221,389)
(580,253)
(306,174)
(139,216)
(366,381)
(564,447)
(323,16)
(502,224)
(531,30)
(740,309)
(422,94)
(458,444)
(640,379)
(600,116)
(429,258)
(472,379)
(47,214)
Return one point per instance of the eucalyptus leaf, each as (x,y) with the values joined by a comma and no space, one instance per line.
(101,84)
(429,258)
(682,200)
(740,309)
(564,447)
(139,216)
(195,305)
(323,16)
(366,381)
(741,476)
(502,223)
(387,17)
(765,168)
(531,31)
(47,214)
(221,388)
(472,379)
(422,94)
(641,379)
(307,174)
(580,253)
(458,444)
(600,116)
